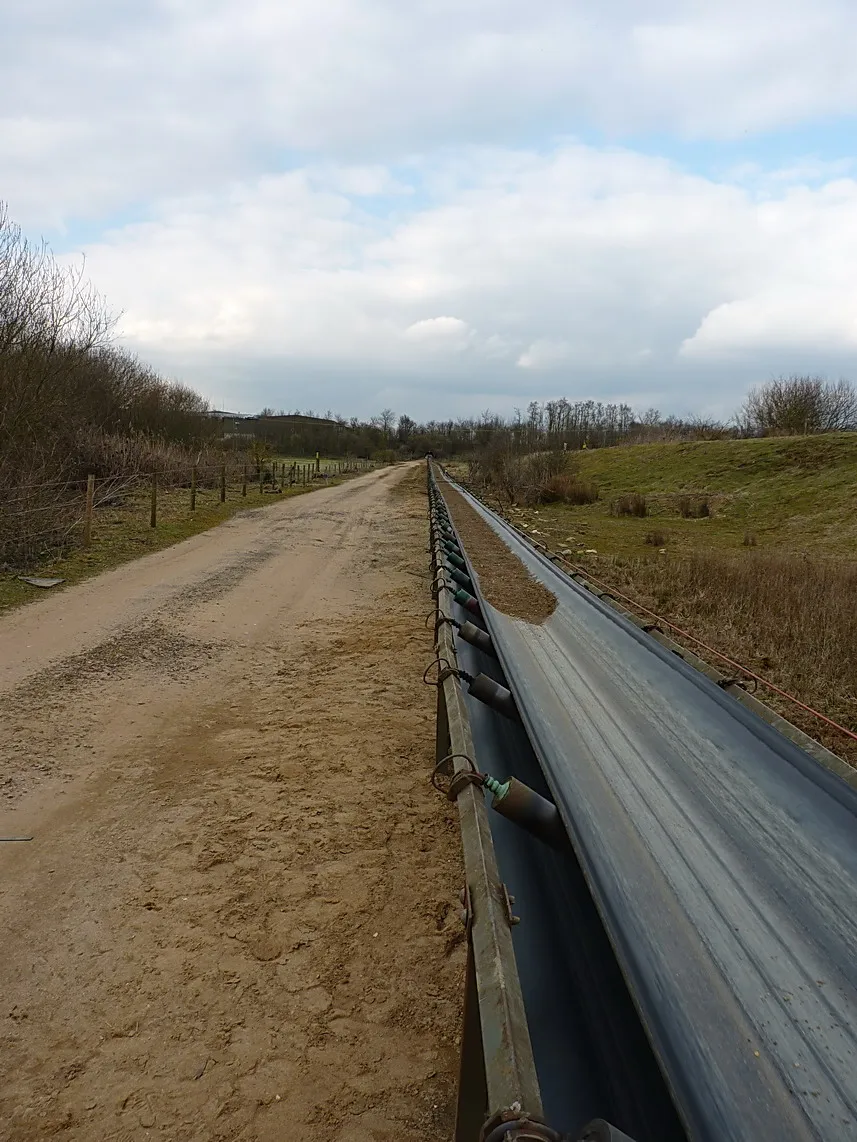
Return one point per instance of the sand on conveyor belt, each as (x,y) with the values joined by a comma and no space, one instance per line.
(504,580)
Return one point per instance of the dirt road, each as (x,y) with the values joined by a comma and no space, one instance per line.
(235,919)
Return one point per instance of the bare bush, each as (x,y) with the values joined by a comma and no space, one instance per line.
(631,504)
(139,454)
(566,488)
(798,405)
(542,477)
(71,403)
(694,507)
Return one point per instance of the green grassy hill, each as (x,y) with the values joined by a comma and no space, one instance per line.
(782,603)
(792,493)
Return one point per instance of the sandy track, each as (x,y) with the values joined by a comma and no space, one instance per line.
(235,920)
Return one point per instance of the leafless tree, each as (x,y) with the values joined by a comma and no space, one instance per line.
(385,420)
(800,405)
(71,402)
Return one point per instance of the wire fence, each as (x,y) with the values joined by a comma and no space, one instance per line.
(38,520)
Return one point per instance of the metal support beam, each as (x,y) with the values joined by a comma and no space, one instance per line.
(472,1088)
(503,1042)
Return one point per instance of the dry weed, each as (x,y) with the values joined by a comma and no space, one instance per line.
(788,617)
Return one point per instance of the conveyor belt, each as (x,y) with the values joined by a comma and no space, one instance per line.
(722,860)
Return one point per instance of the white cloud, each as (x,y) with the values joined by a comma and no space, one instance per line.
(109,105)
(799,290)
(342,187)
(777,319)
(545,354)
(580,268)
(447,334)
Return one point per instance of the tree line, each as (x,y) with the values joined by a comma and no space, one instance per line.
(68,391)
(783,406)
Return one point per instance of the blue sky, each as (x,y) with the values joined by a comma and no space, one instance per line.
(443,206)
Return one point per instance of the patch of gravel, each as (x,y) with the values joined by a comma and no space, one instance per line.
(505,581)
(150,646)
(224,579)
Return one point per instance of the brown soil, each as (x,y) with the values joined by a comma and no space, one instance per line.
(504,580)
(236,919)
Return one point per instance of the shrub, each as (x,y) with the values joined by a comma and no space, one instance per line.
(694,507)
(537,478)
(567,489)
(72,403)
(797,405)
(631,504)
(384,456)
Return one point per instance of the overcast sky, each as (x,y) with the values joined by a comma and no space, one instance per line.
(448,206)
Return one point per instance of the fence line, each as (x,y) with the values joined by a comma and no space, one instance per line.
(329,467)
(74,503)
(49,484)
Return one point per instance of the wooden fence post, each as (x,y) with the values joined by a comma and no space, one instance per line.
(244,485)
(153,517)
(193,488)
(223,483)
(87,518)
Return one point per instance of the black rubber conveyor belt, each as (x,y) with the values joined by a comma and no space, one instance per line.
(721,857)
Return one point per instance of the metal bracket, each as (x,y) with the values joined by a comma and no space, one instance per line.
(466,909)
(441,619)
(439,584)
(459,780)
(508,901)
(444,671)
(514,1123)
